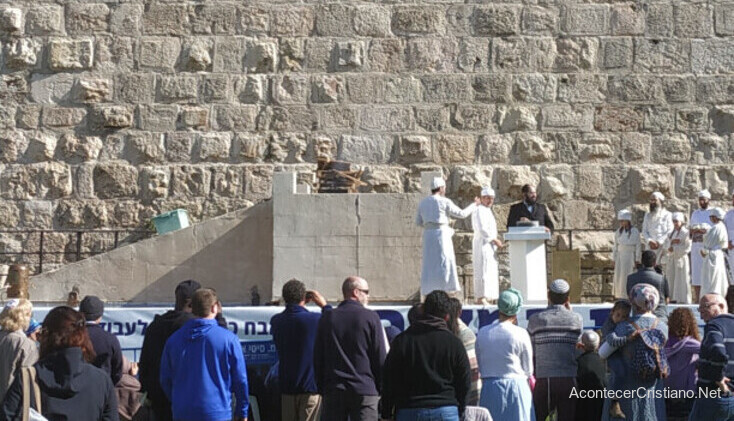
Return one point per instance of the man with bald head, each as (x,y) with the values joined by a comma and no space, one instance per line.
(348,356)
(716,361)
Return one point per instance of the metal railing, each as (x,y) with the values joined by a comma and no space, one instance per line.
(117,237)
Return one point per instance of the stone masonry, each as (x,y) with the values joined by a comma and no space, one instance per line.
(113,111)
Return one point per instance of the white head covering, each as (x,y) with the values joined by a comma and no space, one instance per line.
(487,191)
(437,182)
(658,196)
(705,194)
(678,216)
(717,212)
(559,286)
(624,215)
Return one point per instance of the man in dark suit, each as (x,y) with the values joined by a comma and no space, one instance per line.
(647,275)
(529,210)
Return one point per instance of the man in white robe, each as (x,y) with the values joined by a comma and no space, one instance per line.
(700,223)
(657,225)
(486,269)
(626,253)
(713,269)
(729,223)
(678,245)
(438,270)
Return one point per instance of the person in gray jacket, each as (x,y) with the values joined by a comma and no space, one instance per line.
(16,350)
(648,275)
(554,333)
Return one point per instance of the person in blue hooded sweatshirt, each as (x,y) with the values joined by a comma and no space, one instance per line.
(203,365)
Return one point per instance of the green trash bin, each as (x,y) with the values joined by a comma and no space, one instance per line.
(171,221)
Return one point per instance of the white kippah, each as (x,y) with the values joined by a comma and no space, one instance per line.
(590,339)
(559,286)
(437,182)
(624,215)
(678,216)
(487,191)
(658,196)
(705,194)
(717,212)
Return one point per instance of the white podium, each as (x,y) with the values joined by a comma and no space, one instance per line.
(528,272)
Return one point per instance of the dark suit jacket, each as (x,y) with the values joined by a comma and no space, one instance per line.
(649,276)
(540,214)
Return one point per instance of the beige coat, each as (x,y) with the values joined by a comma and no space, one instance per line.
(16,350)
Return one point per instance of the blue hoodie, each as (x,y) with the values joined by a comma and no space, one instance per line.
(201,363)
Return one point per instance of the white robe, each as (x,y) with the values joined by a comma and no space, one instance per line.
(438,270)
(676,271)
(698,217)
(729,223)
(713,269)
(486,269)
(656,226)
(627,251)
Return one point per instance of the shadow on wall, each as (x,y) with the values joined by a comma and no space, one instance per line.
(232,263)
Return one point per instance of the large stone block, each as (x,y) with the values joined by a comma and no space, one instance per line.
(473,118)
(517,118)
(69,54)
(385,55)
(694,20)
(539,20)
(287,147)
(113,180)
(567,118)
(534,87)
(589,182)
(495,148)
(45,19)
(432,118)
(466,182)
(214,19)
(627,19)
(247,147)
(414,148)
(692,119)
(495,88)
(617,119)
(576,54)
(662,55)
(145,148)
(335,20)
(582,88)
(533,149)
(177,89)
(179,146)
(636,89)
(292,54)
(197,56)
(228,181)
(454,149)
(12,143)
(445,88)
(618,53)
(500,20)
(126,19)
(418,20)
(252,89)
(366,149)
(636,147)
(76,150)
(659,20)
(671,148)
(724,23)
(712,56)
(715,89)
(648,179)
(710,148)
(371,21)
(585,19)
(514,177)
(349,55)
(229,56)
(93,90)
(189,181)
(159,54)
(11,20)
(63,117)
(154,182)
(166,19)
(430,54)
(473,55)
(524,54)
(386,119)
(214,147)
(135,88)
(22,53)
(253,19)
(114,116)
(158,117)
(722,119)
(292,21)
(85,18)
(261,57)
(327,89)
(233,118)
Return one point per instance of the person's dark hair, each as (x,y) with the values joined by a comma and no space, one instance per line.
(415,313)
(556,298)
(622,305)
(184,291)
(202,302)
(437,304)
(454,315)
(648,258)
(64,328)
(526,188)
(730,299)
(682,323)
(294,291)
(434,191)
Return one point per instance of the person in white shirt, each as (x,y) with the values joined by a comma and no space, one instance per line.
(678,245)
(713,269)
(657,225)
(626,253)
(700,223)
(729,223)
(505,358)
(486,242)
(438,270)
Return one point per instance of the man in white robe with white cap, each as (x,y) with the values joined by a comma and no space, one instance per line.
(438,270)
(486,242)
(626,253)
(657,225)
(678,245)
(713,269)
(699,224)
(729,223)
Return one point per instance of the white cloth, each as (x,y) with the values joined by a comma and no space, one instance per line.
(676,271)
(729,223)
(504,350)
(713,268)
(698,217)
(627,250)
(486,269)
(656,226)
(438,270)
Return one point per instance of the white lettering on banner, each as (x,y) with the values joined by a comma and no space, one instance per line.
(252,324)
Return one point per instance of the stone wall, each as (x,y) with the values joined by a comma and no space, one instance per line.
(113,111)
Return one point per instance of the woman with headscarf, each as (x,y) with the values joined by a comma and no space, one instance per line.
(626,252)
(643,405)
(16,350)
(677,246)
(713,268)
(505,357)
